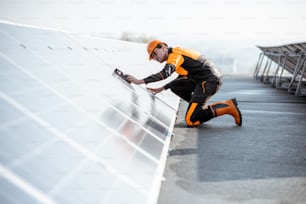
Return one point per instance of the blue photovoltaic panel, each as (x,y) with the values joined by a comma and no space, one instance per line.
(72,132)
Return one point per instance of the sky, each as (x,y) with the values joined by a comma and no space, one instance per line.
(222,21)
(199,24)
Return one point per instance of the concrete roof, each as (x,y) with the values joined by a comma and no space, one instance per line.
(263,161)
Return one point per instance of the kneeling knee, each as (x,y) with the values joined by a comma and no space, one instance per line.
(191,123)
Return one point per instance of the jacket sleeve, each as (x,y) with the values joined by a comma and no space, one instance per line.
(163,74)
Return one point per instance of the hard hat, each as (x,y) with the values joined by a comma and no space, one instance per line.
(152,45)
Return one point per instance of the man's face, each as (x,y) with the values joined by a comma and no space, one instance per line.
(160,54)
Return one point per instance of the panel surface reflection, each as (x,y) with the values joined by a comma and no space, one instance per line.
(70,131)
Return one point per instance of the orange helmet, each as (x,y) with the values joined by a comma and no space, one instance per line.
(152,45)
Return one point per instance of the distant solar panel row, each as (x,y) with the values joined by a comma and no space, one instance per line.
(70,132)
(289,70)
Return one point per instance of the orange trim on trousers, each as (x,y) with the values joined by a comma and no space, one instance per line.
(189,113)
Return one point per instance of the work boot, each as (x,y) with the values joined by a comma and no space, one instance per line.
(228,107)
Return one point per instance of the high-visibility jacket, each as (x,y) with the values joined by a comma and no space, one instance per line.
(188,63)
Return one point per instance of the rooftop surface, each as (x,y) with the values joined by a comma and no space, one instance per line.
(263,161)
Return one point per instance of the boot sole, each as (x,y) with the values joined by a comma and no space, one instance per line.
(236,106)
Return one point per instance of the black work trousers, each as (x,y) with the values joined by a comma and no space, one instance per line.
(197,94)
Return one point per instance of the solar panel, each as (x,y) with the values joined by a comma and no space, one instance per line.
(71,132)
(289,58)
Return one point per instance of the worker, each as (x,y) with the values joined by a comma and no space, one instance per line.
(198,79)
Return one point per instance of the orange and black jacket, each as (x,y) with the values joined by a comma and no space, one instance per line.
(187,63)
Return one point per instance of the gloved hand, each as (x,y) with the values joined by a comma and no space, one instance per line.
(156,90)
(134,80)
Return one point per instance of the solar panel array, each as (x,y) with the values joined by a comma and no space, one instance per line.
(288,59)
(70,131)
